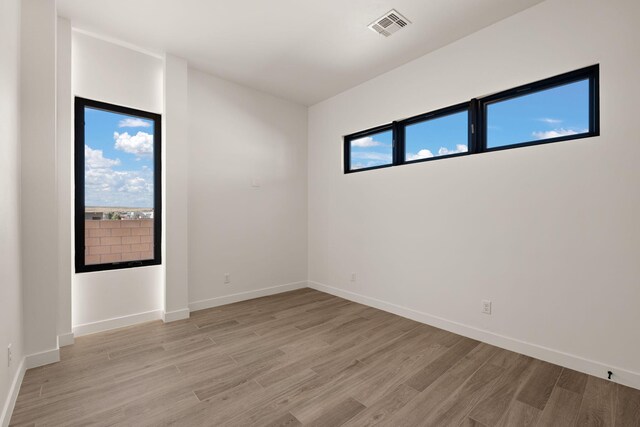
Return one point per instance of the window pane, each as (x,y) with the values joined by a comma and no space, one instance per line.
(551,113)
(373,150)
(435,137)
(119,193)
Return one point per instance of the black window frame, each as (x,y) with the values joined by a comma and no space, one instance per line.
(589,73)
(79,183)
(477,123)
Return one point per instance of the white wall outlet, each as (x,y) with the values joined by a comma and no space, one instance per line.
(354,277)
(9,355)
(255,182)
(486,306)
(227,278)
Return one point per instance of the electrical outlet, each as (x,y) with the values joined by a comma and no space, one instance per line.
(354,277)
(9,355)
(227,278)
(486,306)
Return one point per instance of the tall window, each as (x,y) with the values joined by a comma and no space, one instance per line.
(117,187)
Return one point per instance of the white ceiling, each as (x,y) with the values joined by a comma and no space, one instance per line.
(301,50)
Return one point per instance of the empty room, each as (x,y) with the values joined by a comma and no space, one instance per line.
(319,213)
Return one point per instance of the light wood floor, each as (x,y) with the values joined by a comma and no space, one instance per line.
(308,358)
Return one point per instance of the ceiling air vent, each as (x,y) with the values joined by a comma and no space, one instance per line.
(389,23)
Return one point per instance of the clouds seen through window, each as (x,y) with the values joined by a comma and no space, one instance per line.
(118,165)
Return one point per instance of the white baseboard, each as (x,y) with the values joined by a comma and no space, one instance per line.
(10,402)
(242,296)
(116,322)
(120,322)
(571,361)
(172,316)
(66,339)
(43,358)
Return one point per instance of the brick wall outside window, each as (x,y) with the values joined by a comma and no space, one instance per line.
(110,241)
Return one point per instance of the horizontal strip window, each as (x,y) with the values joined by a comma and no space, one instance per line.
(559,108)
(556,109)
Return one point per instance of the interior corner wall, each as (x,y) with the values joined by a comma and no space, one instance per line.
(10,290)
(176,164)
(549,233)
(247,192)
(38,211)
(64,119)
(111,73)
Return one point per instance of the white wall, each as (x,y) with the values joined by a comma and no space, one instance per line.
(38,213)
(176,160)
(107,295)
(111,73)
(64,121)
(10,287)
(233,135)
(258,235)
(548,233)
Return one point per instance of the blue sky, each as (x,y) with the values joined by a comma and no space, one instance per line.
(437,137)
(563,110)
(559,111)
(374,150)
(118,160)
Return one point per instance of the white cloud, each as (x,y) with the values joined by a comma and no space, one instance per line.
(94,159)
(443,151)
(139,144)
(105,186)
(556,133)
(367,141)
(460,148)
(550,121)
(134,123)
(422,154)
(134,183)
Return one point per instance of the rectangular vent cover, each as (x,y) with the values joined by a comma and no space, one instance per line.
(389,23)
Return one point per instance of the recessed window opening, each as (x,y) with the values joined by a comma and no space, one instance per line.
(117,187)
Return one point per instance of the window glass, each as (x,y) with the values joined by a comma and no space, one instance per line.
(551,113)
(439,136)
(372,150)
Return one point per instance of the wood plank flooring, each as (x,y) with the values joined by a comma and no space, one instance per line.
(308,358)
